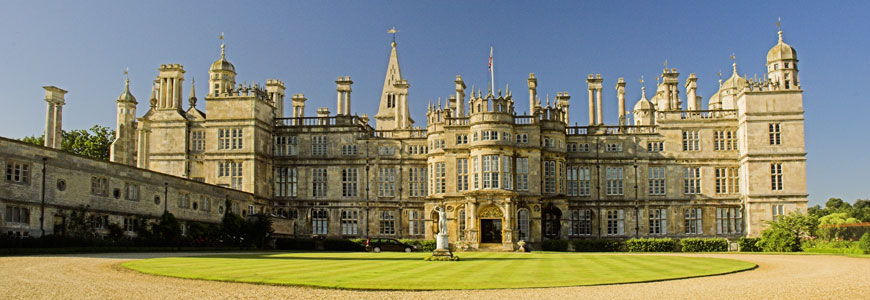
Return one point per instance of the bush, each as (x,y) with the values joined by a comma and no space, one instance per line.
(442,258)
(555,245)
(597,245)
(749,244)
(704,245)
(294,244)
(864,243)
(784,234)
(342,245)
(651,245)
(831,247)
(421,245)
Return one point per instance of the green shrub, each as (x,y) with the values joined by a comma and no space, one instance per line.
(651,245)
(748,244)
(442,258)
(785,234)
(294,244)
(831,247)
(597,245)
(704,245)
(421,245)
(555,245)
(864,243)
(342,245)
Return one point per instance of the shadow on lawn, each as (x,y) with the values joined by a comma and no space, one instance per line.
(393,258)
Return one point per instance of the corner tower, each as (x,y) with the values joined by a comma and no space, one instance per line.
(782,72)
(122,149)
(221,75)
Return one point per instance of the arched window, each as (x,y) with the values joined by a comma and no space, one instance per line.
(551,224)
(523,224)
(319,222)
(461,219)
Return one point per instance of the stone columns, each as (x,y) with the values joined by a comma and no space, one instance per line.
(620,95)
(460,97)
(600,115)
(54,98)
(595,113)
(343,90)
(693,103)
(340,103)
(591,107)
(533,92)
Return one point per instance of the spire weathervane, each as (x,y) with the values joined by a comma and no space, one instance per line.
(734,62)
(393,31)
(223,47)
(779,23)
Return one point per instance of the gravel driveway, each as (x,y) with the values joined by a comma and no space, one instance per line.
(99,276)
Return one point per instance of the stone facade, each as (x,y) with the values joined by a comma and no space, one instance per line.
(110,193)
(502,177)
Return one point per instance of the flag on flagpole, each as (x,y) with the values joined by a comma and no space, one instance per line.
(491,72)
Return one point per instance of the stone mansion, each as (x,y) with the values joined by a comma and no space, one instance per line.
(670,168)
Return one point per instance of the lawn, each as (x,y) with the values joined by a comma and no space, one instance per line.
(408,271)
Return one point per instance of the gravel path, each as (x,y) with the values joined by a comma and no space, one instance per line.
(99,276)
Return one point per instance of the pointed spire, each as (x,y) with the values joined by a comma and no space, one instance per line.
(439,103)
(642,89)
(192,98)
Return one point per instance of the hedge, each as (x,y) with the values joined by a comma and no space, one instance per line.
(344,245)
(598,245)
(651,245)
(555,245)
(422,245)
(704,245)
(749,244)
(864,243)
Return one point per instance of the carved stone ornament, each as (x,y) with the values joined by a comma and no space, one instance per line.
(491,212)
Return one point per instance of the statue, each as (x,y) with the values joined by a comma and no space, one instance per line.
(442,221)
(442,241)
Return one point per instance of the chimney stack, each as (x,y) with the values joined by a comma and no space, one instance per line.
(53,116)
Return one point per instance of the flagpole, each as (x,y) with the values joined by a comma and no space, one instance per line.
(491,72)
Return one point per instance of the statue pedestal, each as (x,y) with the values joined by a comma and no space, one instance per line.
(442,246)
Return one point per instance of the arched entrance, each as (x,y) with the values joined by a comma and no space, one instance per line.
(491,225)
(552,225)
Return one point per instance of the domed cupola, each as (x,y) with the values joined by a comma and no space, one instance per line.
(222,75)
(644,110)
(782,71)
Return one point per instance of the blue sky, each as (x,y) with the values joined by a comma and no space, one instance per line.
(83,47)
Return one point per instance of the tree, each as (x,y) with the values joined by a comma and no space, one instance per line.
(785,234)
(169,229)
(837,204)
(94,143)
(835,232)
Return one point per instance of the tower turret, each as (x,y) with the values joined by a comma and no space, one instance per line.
(221,75)
(123,147)
(275,90)
(782,71)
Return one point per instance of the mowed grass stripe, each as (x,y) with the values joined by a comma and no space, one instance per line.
(408,271)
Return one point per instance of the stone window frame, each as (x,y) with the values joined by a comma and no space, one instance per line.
(490,168)
(231,138)
(727,180)
(692,180)
(655,146)
(131,191)
(581,222)
(775,133)
(100,186)
(319,181)
(415,222)
(724,140)
(776,174)
(613,147)
(693,221)
(386,182)
(614,181)
(17,215)
(319,221)
(522,173)
(349,222)
(18,172)
(658,221)
(197,140)
(691,140)
(729,220)
(523,224)
(349,182)
(387,222)
(615,222)
(462,174)
(657,181)
(549,176)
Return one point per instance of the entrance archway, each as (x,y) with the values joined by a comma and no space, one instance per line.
(491,225)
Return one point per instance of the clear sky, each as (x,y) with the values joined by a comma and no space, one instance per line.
(84,46)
